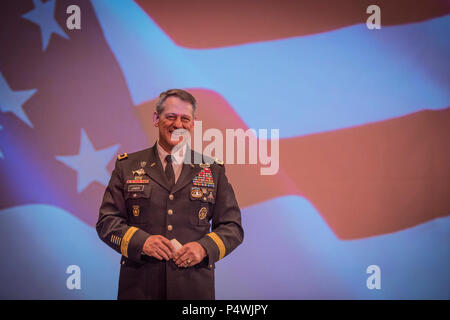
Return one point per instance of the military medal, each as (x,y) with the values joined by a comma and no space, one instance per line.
(196,193)
(135,210)
(204,178)
(139,172)
(202,213)
(137,181)
(138,175)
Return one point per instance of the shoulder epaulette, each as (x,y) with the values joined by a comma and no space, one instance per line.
(122,156)
(220,162)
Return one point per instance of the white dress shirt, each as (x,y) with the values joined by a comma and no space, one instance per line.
(177,162)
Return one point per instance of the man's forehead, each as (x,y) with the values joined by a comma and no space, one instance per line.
(176,101)
(178,107)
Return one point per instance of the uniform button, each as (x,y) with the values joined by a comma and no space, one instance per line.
(123,262)
(210,266)
(171,197)
(204,198)
(134,195)
(170,211)
(169,227)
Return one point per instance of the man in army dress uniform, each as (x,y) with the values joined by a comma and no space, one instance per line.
(155,202)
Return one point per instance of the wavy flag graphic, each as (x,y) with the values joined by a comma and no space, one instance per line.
(358,164)
(364,118)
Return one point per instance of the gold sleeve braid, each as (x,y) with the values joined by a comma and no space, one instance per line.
(219,244)
(126,240)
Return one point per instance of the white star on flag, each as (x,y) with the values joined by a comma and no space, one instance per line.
(12,101)
(90,164)
(43,14)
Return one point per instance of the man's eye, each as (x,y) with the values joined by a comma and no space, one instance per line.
(171,118)
(185,119)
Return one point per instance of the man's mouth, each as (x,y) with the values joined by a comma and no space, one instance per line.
(177,134)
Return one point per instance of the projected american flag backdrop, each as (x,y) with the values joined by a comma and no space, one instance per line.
(364,123)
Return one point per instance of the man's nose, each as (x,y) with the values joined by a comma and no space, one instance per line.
(178,124)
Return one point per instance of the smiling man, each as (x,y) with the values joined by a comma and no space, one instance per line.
(170,220)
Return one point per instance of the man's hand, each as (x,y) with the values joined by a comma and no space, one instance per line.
(159,247)
(189,255)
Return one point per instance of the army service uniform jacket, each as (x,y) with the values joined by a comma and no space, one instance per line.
(138,203)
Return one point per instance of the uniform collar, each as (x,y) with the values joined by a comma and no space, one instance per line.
(178,156)
(155,169)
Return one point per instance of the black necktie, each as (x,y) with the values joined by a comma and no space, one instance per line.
(170,174)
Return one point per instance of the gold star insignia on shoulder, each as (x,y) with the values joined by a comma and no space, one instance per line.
(122,156)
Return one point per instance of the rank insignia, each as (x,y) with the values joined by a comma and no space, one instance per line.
(122,156)
(204,178)
(204,165)
(143,163)
(196,193)
(135,210)
(202,213)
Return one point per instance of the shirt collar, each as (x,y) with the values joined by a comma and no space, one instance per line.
(178,156)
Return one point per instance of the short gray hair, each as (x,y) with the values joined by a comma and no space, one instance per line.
(179,93)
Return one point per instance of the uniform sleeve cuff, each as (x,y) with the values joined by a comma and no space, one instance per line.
(212,251)
(133,243)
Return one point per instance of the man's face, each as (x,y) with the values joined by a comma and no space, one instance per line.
(177,114)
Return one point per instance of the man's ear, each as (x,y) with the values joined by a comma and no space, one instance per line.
(155,119)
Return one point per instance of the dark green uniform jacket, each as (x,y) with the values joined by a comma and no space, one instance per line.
(138,203)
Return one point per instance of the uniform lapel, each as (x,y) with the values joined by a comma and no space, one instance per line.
(188,173)
(154,168)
